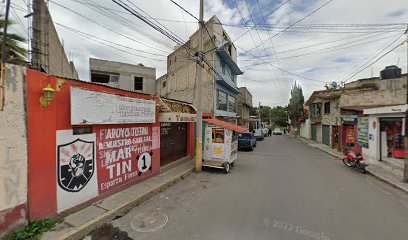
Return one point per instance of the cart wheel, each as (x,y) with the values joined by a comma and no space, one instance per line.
(232,164)
(226,167)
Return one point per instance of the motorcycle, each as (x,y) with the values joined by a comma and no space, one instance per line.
(351,160)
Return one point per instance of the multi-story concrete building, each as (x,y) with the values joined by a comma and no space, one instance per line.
(219,83)
(47,51)
(137,78)
(244,105)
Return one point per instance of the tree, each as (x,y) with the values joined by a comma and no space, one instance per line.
(15,53)
(295,107)
(279,116)
(253,111)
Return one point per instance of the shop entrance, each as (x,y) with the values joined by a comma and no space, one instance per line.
(349,139)
(173,142)
(392,141)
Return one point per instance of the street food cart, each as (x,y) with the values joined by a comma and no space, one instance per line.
(220,148)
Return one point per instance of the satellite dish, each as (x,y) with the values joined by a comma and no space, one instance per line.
(334,84)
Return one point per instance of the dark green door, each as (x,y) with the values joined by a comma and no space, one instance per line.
(314,132)
(326,134)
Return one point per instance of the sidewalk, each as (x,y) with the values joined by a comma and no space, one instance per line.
(377,171)
(79,224)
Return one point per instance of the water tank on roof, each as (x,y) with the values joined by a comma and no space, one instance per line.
(391,72)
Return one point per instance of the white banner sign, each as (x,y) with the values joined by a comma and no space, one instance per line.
(90,107)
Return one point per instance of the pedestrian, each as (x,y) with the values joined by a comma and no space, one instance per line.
(269,132)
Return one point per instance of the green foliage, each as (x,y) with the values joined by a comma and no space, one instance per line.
(33,230)
(253,111)
(276,116)
(15,53)
(295,107)
(279,116)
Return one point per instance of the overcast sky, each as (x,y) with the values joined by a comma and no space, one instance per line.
(326,43)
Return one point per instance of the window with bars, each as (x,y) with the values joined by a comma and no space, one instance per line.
(231,104)
(222,101)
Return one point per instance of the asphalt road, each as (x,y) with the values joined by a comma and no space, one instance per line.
(284,189)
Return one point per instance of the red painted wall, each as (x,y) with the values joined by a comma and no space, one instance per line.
(12,218)
(43,124)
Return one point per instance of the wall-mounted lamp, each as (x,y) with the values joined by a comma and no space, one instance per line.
(48,96)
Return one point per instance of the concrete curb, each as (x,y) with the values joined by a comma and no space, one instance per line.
(389,182)
(377,176)
(83,230)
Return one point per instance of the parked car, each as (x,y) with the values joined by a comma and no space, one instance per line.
(246,141)
(277,131)
(258,134)
(265,131)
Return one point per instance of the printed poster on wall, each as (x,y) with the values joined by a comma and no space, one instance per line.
(90,107)
(362,135)
(124,154)
(76,169)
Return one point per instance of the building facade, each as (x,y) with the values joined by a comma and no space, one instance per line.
(362,95)
(219,82)
(136,78)
(47,51)
(324,115)
(244,106)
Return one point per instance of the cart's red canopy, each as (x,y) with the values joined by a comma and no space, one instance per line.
(226,125)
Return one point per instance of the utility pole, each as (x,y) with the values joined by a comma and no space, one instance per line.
(199,136)
(4,56)
(259,114)
(406,122)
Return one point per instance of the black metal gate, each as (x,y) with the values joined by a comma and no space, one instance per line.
(173,142)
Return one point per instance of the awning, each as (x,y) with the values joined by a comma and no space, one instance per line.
(226,125)
(176,111)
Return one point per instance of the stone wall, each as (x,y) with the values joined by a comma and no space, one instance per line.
(13,151)
(332,118)
(387,92)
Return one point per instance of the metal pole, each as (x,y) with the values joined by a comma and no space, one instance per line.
(405,178)
(199,142)
(260,119)
(4,56)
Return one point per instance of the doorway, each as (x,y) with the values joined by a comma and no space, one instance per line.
(391,139)
(335,137)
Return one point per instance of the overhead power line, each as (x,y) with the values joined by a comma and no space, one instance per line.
(276,9)
(93,38)
(373,55)
(108,28)
(298,21)
(378,59)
